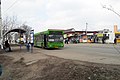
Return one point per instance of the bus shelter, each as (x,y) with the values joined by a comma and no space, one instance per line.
(19,30)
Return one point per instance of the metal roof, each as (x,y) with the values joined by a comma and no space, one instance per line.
(15,30)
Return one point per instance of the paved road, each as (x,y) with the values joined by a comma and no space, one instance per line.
(97,53)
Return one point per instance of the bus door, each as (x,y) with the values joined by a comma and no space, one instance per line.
(45,40)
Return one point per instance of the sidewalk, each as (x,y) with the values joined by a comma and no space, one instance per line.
(22,53)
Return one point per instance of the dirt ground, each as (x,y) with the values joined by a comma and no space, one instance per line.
(54,68)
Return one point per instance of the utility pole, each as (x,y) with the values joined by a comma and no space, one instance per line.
(0,27)
(86,31)
(86,28)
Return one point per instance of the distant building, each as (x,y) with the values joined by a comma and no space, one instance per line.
(79,36)
(107,35)
(115,28)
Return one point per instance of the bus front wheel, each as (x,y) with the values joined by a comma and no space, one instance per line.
(42,45)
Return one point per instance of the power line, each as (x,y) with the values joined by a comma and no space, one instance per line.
(111,9)
(11,6)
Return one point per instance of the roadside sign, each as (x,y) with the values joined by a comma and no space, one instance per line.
(32,39)
(32,36)
(99,35)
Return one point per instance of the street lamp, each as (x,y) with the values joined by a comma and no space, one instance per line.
(111,9)
(86,31)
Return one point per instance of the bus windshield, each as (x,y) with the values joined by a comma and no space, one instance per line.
(55,38)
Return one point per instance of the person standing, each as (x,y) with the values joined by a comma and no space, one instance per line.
(115,41)
(7,45)
(66,41)
(103,40)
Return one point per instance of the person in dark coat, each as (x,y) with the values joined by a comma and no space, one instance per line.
(66,41)
(7,45)
(103,40)
(115,41)
(97,39)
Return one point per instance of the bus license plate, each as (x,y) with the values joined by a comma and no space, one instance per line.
(56,47)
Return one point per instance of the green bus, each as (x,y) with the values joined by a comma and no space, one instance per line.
(49,39)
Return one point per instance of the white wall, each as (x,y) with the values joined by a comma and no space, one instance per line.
(111,38)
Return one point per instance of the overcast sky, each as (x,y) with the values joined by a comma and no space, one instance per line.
(63,14)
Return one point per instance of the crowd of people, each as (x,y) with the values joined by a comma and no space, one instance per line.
(71,41)
(103,40)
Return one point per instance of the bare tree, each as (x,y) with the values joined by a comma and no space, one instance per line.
(8,24)
(27,29)
(12,23)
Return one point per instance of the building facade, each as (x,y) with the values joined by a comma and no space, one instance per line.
(80,36)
